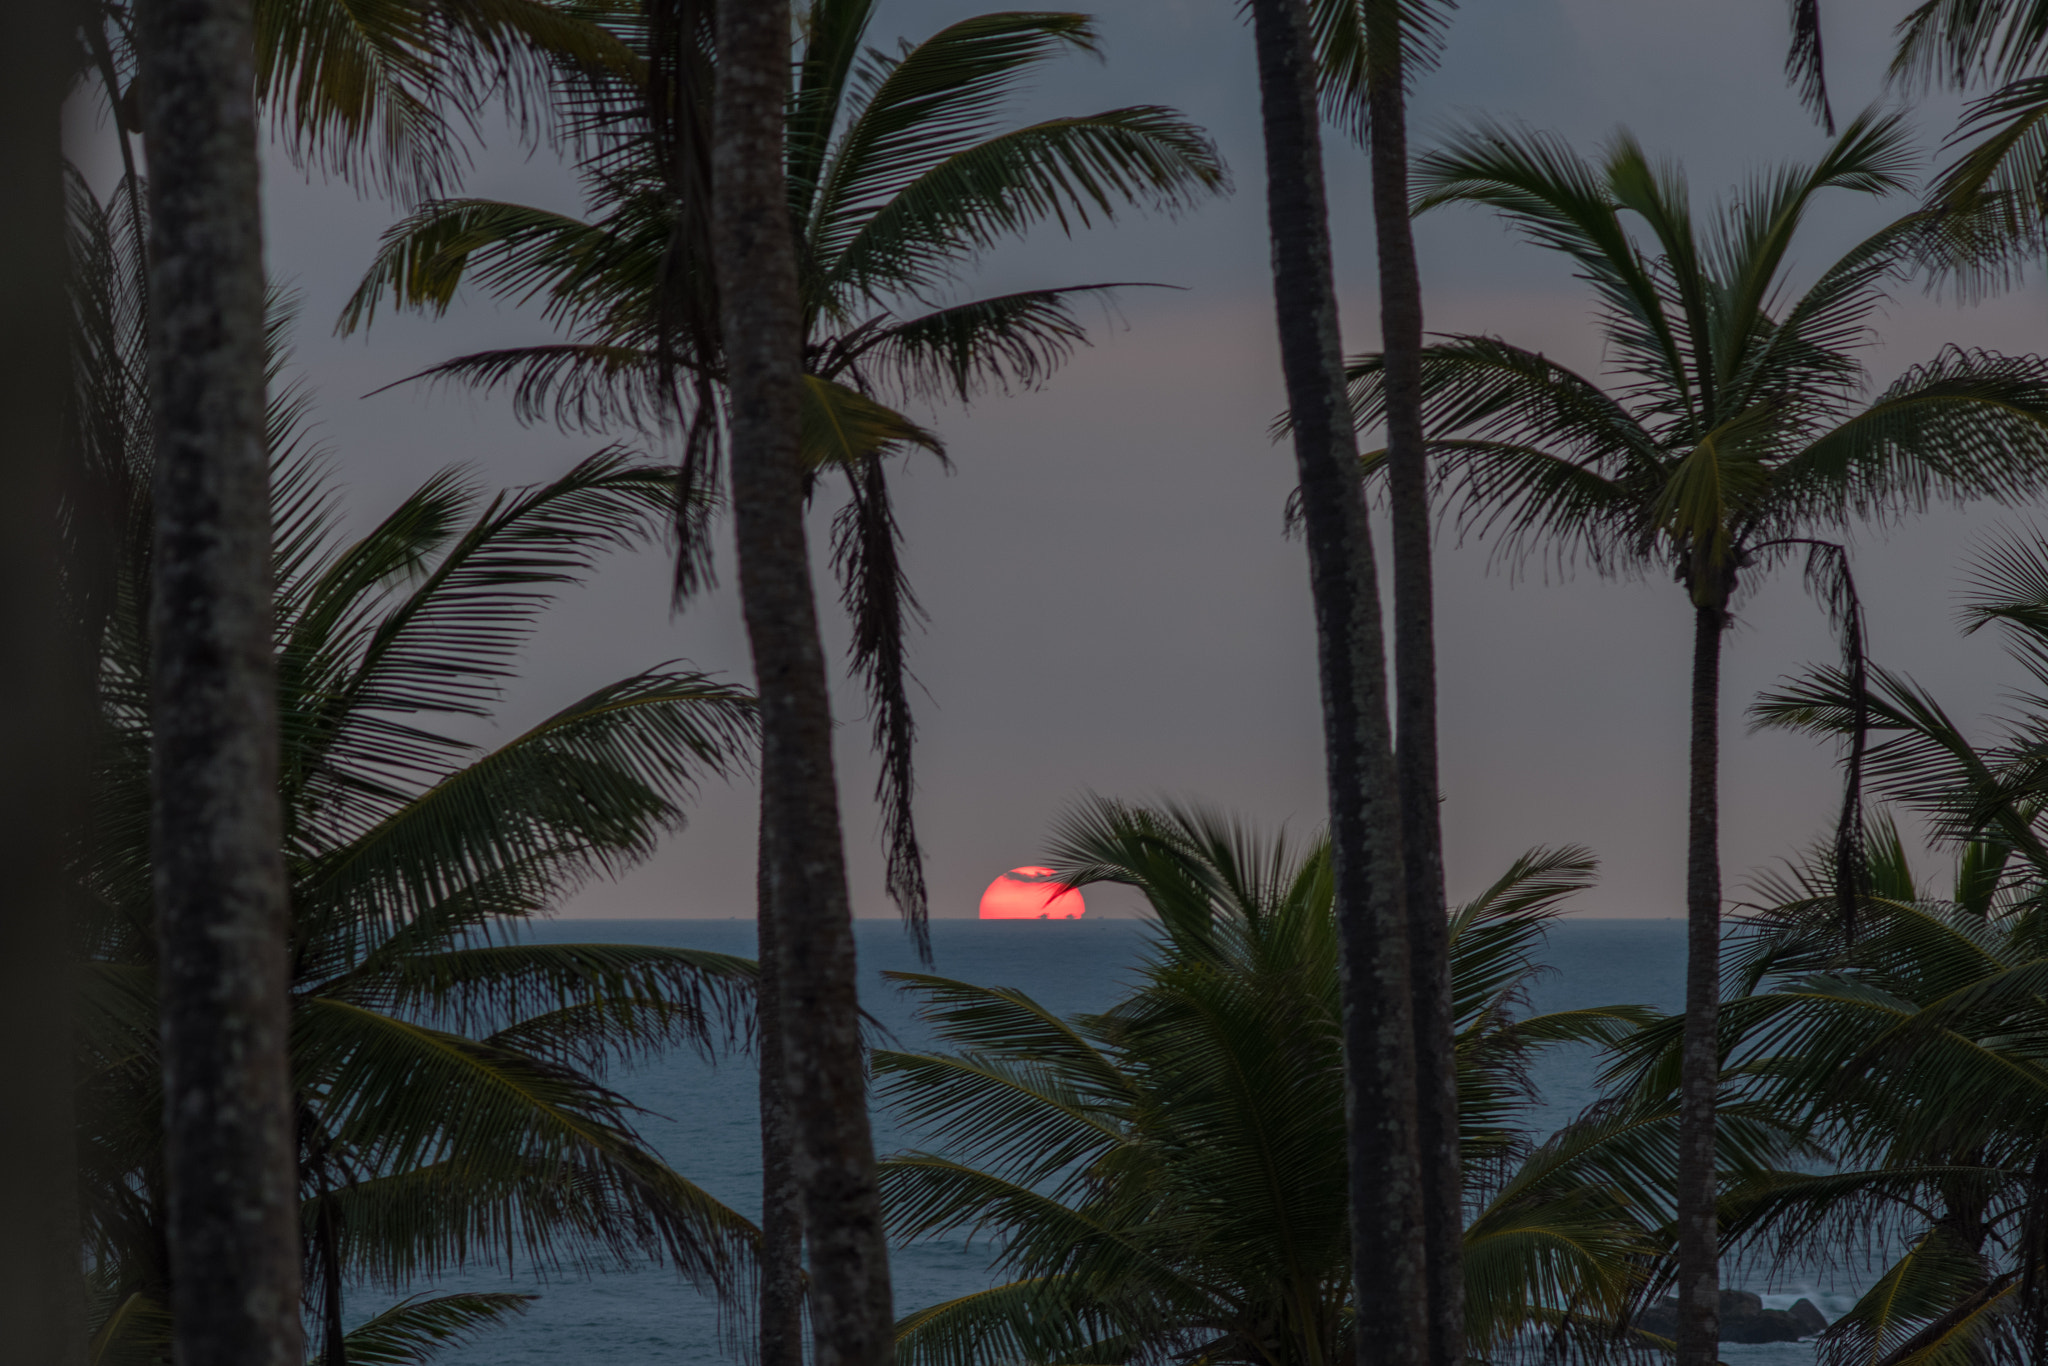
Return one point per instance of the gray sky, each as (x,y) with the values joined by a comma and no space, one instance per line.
(1113,607)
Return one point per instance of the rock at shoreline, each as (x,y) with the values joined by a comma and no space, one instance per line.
(1743,1319)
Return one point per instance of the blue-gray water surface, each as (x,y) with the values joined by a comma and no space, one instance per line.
(702,1118)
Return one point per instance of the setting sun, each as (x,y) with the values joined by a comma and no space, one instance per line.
(1031,894)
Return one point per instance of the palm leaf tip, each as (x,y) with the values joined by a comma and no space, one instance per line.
(414,1331)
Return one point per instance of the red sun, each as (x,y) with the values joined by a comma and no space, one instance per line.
(1031,894)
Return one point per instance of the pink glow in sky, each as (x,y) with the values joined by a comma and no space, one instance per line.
(1031,894)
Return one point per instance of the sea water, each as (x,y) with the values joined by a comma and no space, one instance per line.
(701,1116)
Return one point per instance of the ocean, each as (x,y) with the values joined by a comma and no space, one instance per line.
(702,1118)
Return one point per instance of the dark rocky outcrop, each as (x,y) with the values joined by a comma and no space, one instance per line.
(1743,1319)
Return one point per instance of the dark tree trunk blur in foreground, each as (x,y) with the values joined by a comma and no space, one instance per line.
(1415,752)
(782,1211)
(43,719)
(1379,1040)
(852,1316)
(219,870)
(1699,1273)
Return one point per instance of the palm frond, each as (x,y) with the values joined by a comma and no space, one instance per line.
(914,110)
(1806,64)
(1011,341)
(586,792)
(1359,42)
(385,95)
(1966,425)
(1072,172)
(415,1330)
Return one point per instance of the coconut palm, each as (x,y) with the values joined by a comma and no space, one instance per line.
(1739,435)
(1913,1048)
(447,1075)
(220,892)
(900,172)
(1388,1221)
(1909,1054)
(1367,53)
(804,897)
(1167,1180)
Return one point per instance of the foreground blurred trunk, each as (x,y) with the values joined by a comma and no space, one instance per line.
(1698,1252)
(44,722)
(1365,835)
(852,1318)
(216,832)
(1415,751)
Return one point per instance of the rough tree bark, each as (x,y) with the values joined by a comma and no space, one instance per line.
(1699,1275)
(46,728)
(1415,744)
(216,832)
(852,1315)
(1379,1041)
(782,1214)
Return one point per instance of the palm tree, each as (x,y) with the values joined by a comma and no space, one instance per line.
(447,1078)
(1366,54)
(754,255)
(1390,1251)
(899,174)
(1912,1049)
(1167,1179)
(1905,1054)
(1738,438)
(216,825)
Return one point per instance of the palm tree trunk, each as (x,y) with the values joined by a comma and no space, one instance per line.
(1415,751)
(334,1330)
(851,1312)
(216,828)
(1379,1040)
(1699,1275)
(782,1216)
(47,723)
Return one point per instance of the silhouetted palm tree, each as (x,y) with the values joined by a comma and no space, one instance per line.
(1911,1049)
(900,173)
(754,254)
(1389,1248)
(447,1078)
(1368,51)
(1167,1178)
(217,828)
(1740,437)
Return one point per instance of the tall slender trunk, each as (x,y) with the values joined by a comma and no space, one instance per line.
(1415,751)
(216,827)
(1699,1275)
(782,1215)
(333,1328)
(851,1312)
(47,725)
(1379,1040)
